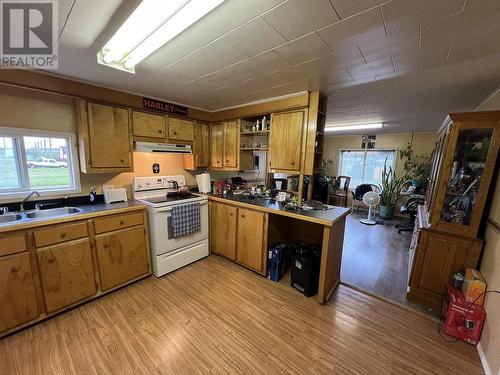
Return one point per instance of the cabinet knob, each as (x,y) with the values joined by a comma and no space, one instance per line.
(230,214)
(227,161)
(160,131)
(106,245)
(16,268)
(122,222)
(175,133)
(122,160)
(63,235)
(243,216)
(292,163)
(52,259)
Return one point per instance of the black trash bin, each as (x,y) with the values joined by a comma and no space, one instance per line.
(305,268)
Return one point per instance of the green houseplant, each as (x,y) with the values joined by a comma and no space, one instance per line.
(416,168)
(391,188)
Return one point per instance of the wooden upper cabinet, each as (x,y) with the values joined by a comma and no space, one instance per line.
(231,149)
(216,145)
(201,146)
(17,292)
(252,239)
(223,229)
(123,256)
(180,130)
(105,143)
(286,140)
(149,125)
(67,273)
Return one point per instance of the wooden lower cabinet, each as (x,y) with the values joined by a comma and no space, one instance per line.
(122,256)
(67,274)
(18,302)
(239,234)
(223,229)
(252,239)
(438,256)
(49,268)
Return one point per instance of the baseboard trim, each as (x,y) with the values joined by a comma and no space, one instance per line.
(484,362)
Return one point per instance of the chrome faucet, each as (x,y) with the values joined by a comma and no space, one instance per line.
(34,192)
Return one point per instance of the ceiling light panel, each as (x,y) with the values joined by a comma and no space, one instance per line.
(152,24)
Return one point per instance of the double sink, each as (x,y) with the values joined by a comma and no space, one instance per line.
(37,214)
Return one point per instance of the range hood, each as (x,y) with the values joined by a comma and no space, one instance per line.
(162,148)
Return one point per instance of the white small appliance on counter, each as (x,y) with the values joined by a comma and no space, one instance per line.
(203,181)
(115,195)
(167,252)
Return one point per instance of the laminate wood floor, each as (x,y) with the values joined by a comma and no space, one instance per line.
(214,317)
(375,259)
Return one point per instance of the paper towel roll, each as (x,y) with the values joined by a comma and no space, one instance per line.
(203,181)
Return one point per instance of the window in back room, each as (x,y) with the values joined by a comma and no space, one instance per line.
(365,166)
(37,160)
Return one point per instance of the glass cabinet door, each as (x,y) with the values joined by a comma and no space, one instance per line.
(465,178)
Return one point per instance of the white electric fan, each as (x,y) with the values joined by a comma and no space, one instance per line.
(371,199)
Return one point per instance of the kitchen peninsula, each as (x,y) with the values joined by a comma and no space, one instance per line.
(242,229)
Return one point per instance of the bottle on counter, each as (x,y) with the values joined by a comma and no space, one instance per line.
(93,195)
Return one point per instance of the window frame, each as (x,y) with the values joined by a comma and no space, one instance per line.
(365,153)
(22,164)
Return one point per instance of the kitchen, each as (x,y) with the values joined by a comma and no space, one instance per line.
(99,264)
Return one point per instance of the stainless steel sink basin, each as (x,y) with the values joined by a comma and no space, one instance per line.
(53,212)
(9,218)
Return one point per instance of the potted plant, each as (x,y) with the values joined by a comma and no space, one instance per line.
(391,190)
(416,168)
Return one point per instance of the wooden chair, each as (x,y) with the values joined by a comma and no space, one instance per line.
(340,193)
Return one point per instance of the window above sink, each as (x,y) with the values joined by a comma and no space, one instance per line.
(37,160)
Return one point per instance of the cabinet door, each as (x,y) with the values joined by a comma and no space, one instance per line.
(67,274)
(216,145)
(109,133)
(17,291)
(286,140)
(122,256)
(223,229)
(201,147)
(148,125)
(231,144)
(252,239)
(180,130)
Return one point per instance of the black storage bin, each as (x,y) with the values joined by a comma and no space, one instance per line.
(305,268)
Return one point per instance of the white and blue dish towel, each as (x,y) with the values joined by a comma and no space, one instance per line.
(186,219)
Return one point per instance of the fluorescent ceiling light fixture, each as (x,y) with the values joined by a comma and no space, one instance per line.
(353,127)
(152,24)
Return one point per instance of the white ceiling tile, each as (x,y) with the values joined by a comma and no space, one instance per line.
(406,15)
(341,59)
(347,8)
(254,37)
(295,18)
(310,69)
(266,63)
(202,32)
(236,73)
(363,27)
(392,45)
(372,69)
(472,21)
(306,48)
(261,82)
(240,11)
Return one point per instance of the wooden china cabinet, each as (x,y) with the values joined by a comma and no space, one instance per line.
(445,237)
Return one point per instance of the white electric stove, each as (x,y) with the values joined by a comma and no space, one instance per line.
(169,253)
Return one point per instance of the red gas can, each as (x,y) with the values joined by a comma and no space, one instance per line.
(463,320)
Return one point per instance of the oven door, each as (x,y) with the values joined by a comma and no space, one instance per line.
(160,230)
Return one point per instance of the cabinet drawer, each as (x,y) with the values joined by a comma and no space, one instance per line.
(148,125)
(180,130)
(58,234)
(12,245)
(109,224)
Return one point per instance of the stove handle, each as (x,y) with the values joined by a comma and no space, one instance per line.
(168,209)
